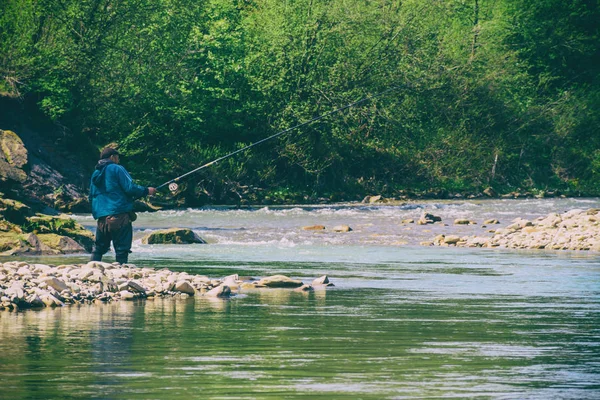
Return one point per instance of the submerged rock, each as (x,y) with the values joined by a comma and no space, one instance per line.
(427,218)
(279,281)
(313,228)
(341,228)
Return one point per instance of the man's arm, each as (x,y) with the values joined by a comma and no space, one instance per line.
(131,188)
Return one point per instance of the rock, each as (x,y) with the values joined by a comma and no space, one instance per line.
(126,295)
(372,199)
(375,199)
(51,301)
(62,244)
(427,218)
(279,281)
(462,221)
(491,222)
(15,292)
(35,301)
(323,280)
(56,284)
(185,287)
(490,192)
(313,228)
(132,286)
(408,221)
(341,228)
(13,157)
(173,236)
(247,286)
(14,211)
(451,239)
(304,288)
(219,291)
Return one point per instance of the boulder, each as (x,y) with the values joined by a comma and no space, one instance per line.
(313,228)
(491,221)
(219,291)
(173,236)
(279,281)
(322,280)
(451,239)
(427,218)
(304,288)
(490,192)
(372,199)
(56,284)
(132,286)
(14,212)
(185,287)
(341,228)
(462,221)
(13,157)
(126,295)
(63,244)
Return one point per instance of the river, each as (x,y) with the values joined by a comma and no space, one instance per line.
(403,321)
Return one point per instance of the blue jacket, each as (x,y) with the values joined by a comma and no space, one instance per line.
(112,190)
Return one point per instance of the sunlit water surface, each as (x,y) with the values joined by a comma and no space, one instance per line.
(403,321)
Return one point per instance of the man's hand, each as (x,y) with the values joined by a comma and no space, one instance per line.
(151,191)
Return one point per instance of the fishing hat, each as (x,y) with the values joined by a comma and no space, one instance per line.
(107,152)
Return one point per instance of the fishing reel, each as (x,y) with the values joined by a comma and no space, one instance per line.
(173,187)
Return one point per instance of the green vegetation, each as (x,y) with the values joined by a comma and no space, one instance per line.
(499,93)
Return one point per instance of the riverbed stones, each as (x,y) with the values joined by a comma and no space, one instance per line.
(24,285)
(573,230)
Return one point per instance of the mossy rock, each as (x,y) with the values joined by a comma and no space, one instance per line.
(14,211)
(62,244)
(10,241)
(41,223)
(61,225)
(13,157)
(173,236)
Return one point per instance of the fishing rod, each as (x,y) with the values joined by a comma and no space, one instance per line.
(173,182)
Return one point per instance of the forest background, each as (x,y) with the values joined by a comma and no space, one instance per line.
(500,93)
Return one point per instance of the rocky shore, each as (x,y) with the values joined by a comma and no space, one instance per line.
(572,230)
(24,285)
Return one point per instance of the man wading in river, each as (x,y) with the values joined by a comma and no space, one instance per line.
(112,192)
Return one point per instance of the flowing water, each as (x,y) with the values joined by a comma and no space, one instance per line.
(403,320)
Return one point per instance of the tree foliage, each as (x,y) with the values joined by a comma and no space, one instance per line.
(502,93)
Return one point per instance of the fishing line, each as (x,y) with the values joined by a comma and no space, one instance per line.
(173,182)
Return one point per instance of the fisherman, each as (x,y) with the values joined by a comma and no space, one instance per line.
(112,192)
